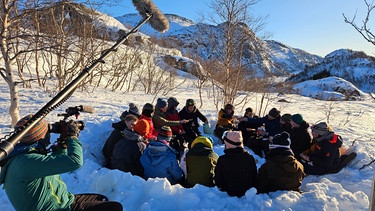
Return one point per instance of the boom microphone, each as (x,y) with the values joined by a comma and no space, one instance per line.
(87,109)
(146,8)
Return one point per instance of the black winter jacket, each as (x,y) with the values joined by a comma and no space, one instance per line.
(327,152)
(115,136)
(272,126)
(281,171)
(127,152)
(192,126)
(235,172)
(300,139)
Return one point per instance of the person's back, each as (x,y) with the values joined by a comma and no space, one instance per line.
(281,171)
(33,171)
(159,159)
(236,170)
(127,153)
(115,136)
(31,178)
(200,162)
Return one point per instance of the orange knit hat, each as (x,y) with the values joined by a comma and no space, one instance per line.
(142,127)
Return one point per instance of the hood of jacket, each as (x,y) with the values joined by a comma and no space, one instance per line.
(119,125)
(284,159)
(329,136)
(157,151)
(200,149)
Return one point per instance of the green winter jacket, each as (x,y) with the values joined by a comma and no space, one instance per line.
(160,120)
(32,181)
(200,164)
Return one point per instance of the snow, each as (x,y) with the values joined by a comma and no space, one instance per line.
(349,189)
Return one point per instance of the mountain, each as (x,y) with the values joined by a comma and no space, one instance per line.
(354,66)
(272,58)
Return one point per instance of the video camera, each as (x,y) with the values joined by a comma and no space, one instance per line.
(61,126)
(57,127)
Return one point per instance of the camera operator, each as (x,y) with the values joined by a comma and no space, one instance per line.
(31,175)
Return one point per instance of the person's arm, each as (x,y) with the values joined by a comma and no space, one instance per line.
(61,161)
(201,117)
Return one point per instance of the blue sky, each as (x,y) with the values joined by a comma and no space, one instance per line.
(316,26)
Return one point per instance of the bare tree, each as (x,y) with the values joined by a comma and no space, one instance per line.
(31,29)
(229,44)
(363,29)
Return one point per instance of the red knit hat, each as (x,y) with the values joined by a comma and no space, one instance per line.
(165,133)
(36,133)
(142,127)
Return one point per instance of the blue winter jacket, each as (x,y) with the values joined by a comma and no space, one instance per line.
(159,160)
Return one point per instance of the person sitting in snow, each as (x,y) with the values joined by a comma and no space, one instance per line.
(128,150)
(200,163)
(117,134)
(281,171)
(159,159)
(31,175)
(236,170)
(225,120)
(299,135)
(285,122)
(271,127)
(147,114)
(133,109)
(159,119)
(179,141)
(192,113)
(325,157)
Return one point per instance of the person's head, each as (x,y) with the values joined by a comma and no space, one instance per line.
(173,102)
(190,105)
(133,109)
(273,114)
(165,134)
(203,140)
(249,112)
(285,118)
(162,104)
(296,120)
(281,140)
(320,129)
(148,110)
(142,127)
(130,121)
(229,108)
(233,139)
(38,133)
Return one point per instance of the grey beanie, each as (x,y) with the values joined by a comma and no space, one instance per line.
(133,109)
(320,128)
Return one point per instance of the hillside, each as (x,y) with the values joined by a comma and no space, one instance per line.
(356,67)
(271,57)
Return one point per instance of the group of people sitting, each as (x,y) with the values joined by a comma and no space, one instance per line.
(162,142)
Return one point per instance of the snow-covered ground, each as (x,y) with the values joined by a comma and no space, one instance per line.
(349,189)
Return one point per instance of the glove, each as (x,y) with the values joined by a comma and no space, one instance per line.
(71,129)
